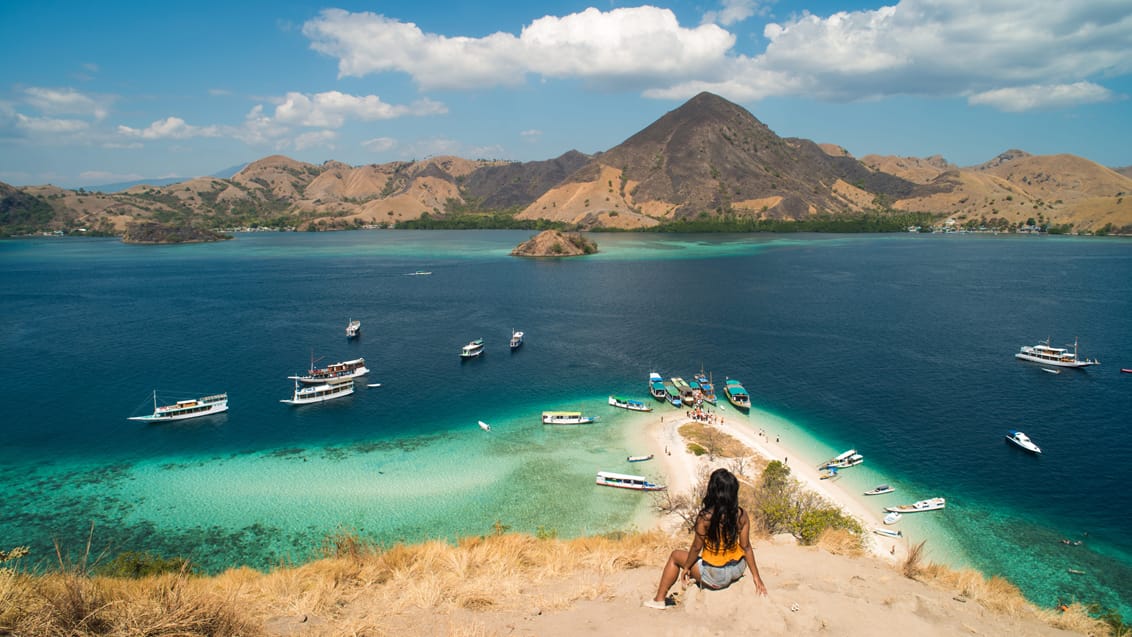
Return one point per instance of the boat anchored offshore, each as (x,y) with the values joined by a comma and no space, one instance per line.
(485,426)
(931,504)
(566,418)
(736,394)
(1056,356)
(516,339)
(333,373)
(625,481)
(308,394)
(472,349)
(1022,440)
(183,409)
(353,328)
(631,405)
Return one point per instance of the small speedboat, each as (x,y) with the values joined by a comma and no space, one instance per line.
(880,489)
(485,426)
(1051,370)
(888,532)
(1126,370)
(1022,440)
(893,517)
(639,458)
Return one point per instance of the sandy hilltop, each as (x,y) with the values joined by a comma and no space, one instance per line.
(514,584)
(824,589)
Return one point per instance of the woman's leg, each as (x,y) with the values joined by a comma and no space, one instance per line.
(671,572)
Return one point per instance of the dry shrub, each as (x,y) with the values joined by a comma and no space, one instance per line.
(841,542)
(1076,618)
(913,566)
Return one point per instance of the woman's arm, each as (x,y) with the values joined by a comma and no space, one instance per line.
(748,553)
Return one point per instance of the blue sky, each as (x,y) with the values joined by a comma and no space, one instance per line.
(94,93)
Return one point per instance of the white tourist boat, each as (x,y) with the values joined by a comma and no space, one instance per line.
(308,394)
(353,328)
(1056,356)
(626,403)
(625,481)
(843,460)
(892,517)
(566,418)
(516,339)
(880,489)
(931,504)
(182,409)
(1022,440)
(656,386)
(472,349)
(333,373)
(639,458)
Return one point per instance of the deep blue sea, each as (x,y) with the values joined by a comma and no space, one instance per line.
(899,346)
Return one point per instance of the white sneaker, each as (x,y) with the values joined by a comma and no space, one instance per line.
(652,603)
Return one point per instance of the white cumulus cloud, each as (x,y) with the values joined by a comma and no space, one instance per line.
(66,101)
(380,144)
(333,109)
(732,11)
(635,43)
(1038,96)
(170,128)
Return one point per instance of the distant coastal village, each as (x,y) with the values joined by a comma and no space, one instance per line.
(746,179)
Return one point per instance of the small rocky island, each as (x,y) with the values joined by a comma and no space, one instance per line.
(555,243)
(152,232)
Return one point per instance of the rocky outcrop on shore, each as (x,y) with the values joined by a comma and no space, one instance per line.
(554,243)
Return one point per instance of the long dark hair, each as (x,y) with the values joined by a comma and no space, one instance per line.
(722,501)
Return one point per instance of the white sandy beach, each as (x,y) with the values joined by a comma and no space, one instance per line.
(683,469)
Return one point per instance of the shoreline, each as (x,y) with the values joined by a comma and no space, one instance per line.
(681,469)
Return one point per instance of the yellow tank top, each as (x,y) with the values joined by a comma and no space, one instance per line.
(721,557)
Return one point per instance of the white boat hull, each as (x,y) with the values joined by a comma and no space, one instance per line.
(625,481)
(933,504)
(200,407)
(311,394)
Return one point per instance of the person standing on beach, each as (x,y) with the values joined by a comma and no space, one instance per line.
(720,548)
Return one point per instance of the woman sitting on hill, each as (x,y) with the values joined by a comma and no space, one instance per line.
(721,545)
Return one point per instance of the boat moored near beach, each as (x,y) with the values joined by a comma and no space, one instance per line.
(892,517)
(639,458)
(308,394)
(843,460)
(626,403)
(566,418)
(707,390)
(183,409)
(1056,356)
(888,532)
(625,481)
(931,504)
(472,349)
(736,394)
(656,386)
(880,489)
(1020,439)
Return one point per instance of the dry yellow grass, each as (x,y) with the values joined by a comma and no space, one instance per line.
(429,588)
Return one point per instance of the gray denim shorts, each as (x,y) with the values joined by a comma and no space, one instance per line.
(721,576)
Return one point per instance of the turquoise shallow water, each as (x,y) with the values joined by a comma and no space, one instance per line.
(900,346)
